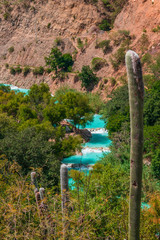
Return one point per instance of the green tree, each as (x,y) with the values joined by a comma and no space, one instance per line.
(54,113)
(7,125)
(88,78)
(39,94)
(156,164)
(57,61)
(152,105)
(25,112)
(31,149)
(77,107)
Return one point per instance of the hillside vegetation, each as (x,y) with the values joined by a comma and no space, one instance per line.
(95,33)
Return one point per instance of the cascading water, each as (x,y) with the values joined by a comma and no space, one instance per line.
(93,150)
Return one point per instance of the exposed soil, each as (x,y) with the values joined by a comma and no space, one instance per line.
(32,28)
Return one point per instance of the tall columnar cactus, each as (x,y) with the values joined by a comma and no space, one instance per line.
(64,185)
(33,179)
(41,191)
(64,194)
(136,95)
(36,192)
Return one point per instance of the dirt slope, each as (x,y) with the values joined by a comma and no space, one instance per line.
(31,27)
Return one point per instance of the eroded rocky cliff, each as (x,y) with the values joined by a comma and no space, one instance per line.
(28,30)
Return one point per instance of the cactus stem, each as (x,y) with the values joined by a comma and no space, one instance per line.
(136,94)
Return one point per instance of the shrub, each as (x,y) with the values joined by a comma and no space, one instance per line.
(105,25)
(118,58)
(6,15)
(48,70)
(38,71)
(66,62)
(113,81)
(157,29)
(151,105)
(151,138)
(58,41)
(155,68)
(11,49)
(7,65)
(148,80)
(80,43)
(26,70)
(49,25)
(18,69)
(147,58)
(156,164)
(105,80)
(122,36)
(88,78)
(105,45)
(98,63)
(144,42)
(12,71)
(113,9)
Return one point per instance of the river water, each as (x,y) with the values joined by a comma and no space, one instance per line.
(92,151)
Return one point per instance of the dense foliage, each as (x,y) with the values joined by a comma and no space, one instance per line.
(30,129)
(58,61)
(32,138)
(116,114)
(88,78)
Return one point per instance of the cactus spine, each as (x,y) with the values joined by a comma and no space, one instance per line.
(136,95)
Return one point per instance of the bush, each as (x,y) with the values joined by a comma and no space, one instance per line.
(151,138)
(118,58)
(58,41)
(122,36)
(12,71)
(151,105)
(88,78)
(11,49)
(157,29)
(147,58)
(48,25)
(66,62)
(155,68)
(148,80)
(26,70)
(156,164)
(38,71)
(105,45)
(7,65)
(98,63)
(144,42)
(6,15)
(105,25)
(80,43)
(113,9)
(113,81)
(48,70)
(18,69)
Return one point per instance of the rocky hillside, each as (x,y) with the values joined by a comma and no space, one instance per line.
(29,29)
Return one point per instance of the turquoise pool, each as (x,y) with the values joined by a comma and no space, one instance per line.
(98,140)
(86,159)
(16,89)
(96,123)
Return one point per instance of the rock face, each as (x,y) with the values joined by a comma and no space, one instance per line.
(28,30)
